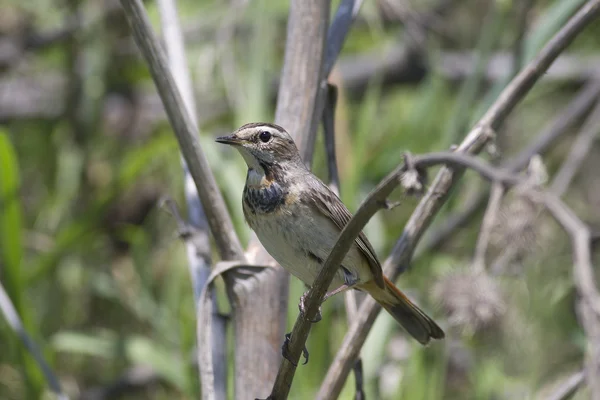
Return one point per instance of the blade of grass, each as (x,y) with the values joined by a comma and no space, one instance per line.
(11,253)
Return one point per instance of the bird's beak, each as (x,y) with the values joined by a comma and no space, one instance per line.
(231,140)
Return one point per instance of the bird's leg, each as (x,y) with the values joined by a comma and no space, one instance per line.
(285,351)
(349,281)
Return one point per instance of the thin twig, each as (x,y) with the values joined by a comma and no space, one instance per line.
(489,219)
(580,148)
(568,387)
(560,125)
(185,130)
(329,133)
(214,385)
(438,193)
(590,323)
(336,36)
(338,31)
(14,321)
(350,300)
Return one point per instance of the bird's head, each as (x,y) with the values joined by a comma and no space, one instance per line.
(262,145)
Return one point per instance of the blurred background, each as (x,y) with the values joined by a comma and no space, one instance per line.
(96,270)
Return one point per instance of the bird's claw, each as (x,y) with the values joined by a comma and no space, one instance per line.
(302,308)
(285,351)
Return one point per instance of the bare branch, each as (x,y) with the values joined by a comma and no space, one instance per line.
(590,322)
(214,385)
(438,193)
(350,300)
(303,72)
(568,387)
(576,109)
(185,130)
(338,31)
(329,133)
(579,149)
(15,323)
(489,219)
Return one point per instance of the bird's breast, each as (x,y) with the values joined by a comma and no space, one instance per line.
(264,199)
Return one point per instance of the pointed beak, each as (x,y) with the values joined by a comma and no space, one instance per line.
(231,140)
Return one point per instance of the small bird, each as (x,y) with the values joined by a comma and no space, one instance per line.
(298,219)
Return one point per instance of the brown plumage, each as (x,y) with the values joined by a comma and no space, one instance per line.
(298,219)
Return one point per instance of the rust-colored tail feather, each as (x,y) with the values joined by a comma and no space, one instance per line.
(412,319)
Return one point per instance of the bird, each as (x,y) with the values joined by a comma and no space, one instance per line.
(298,219)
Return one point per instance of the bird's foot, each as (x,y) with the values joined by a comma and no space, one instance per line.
(302,307)
(285,351)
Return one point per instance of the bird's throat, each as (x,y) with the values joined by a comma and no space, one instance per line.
(257,178)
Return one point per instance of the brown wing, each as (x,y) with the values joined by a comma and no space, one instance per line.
(332,207)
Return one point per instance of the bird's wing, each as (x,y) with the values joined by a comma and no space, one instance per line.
(330,205)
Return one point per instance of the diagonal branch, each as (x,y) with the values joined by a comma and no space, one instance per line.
(438,193)
(579,149)
(185,130)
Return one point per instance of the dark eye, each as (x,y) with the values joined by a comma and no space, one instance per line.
(264,136)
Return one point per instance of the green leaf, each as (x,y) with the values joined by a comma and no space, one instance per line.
(10,221)
(11,251)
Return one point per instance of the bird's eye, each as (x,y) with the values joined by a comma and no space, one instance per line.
(264,136)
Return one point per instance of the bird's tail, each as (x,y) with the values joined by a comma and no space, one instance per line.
(412,319)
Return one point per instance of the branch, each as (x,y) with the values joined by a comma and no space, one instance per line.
(568,387)
(338,31)
(303,72)
(350,300)
(329,133)
(580,148)
(185,130)
(489,219)
(559,126)
(213,378)
(14,321)
(438,193)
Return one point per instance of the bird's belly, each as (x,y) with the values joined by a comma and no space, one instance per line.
(300,242)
